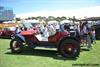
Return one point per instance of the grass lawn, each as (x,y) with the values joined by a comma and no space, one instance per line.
(46,58)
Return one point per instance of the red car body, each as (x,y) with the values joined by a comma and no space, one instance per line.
(54,38)
(6,33)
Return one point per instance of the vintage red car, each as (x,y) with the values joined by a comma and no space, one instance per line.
(66,45)
(7,32)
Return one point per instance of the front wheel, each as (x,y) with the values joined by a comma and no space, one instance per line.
(69,48)
(16,46)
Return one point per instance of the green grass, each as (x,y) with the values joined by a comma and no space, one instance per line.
(45,58)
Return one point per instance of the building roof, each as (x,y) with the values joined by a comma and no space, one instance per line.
(91,19)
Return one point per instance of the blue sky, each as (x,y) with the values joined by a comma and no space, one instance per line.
(26,6)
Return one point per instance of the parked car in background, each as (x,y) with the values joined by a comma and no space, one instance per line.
(7,31)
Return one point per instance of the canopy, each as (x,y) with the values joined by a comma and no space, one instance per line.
(51,22)
(65,21)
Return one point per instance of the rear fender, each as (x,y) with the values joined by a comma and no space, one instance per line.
(65,38)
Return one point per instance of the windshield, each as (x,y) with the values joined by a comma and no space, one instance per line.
(34,24)
(27,24)
(30,24)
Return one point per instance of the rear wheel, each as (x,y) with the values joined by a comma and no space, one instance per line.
(69,48)
(16,46)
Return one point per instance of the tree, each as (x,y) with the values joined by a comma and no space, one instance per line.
(51,18)
(58,19)
(33,18)
(29,18)
(38,17)
(63,18)
(18,19)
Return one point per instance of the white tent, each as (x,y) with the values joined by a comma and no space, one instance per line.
(32,21)
(51,22)
(9,22)
(65,21)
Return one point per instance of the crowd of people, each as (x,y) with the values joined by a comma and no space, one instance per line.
(87,34)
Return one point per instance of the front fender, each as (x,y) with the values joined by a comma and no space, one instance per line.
(20,37)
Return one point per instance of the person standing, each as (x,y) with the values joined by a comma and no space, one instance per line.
(87,34)
(93,36)
(80,31)
(18,31)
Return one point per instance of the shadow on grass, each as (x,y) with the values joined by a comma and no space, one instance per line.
(43,53)
(85,49)
(5,37)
